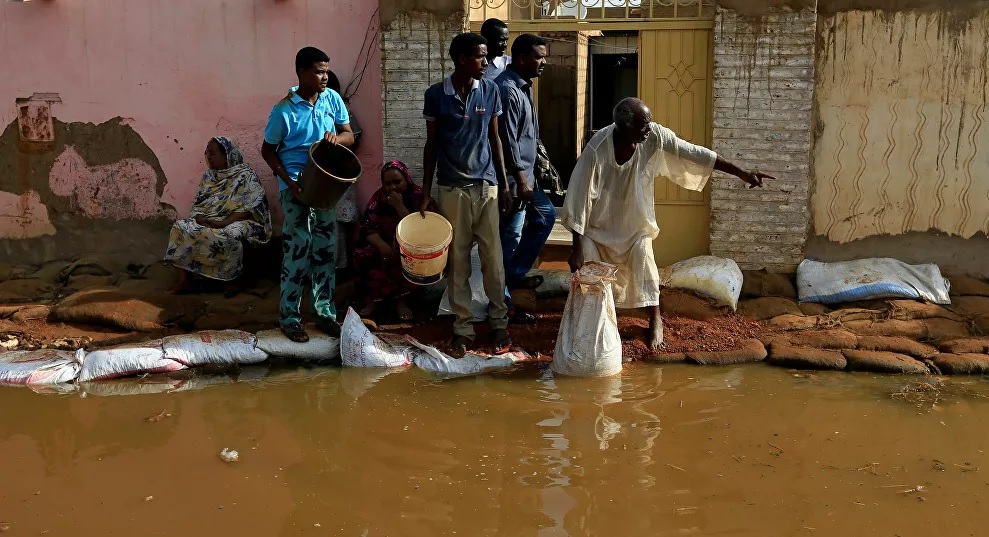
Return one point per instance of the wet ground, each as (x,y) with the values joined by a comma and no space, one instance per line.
(660,450)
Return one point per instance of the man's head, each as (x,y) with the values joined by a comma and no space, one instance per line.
(312,66)
(632,120)
(469,54)
(496,32)
(529,55)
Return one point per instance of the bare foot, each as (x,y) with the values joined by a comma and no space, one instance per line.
(656,330)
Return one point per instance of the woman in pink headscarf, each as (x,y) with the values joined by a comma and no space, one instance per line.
(379,268)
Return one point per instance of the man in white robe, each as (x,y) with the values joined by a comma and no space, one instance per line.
(610,202)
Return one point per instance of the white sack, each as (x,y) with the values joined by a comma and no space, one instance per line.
(478,298)
(433,360)
(588,344)
(360,348)
(127,360)
(714,277)
(866,279)
(319,347)
(214,347)
(44,366)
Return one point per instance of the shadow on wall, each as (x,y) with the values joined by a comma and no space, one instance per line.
(83,189)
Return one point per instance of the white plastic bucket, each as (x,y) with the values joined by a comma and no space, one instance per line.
(424,245)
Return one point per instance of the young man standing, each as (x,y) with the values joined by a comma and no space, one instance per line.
(309,113)
(495,31)
(524,230)
(463,149)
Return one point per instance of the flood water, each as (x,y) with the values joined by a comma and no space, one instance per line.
(672,450)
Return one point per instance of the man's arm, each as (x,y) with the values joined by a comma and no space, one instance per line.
(269,152)
(504,194)
(701,155)
(753,179)
(428,165)
(508,129)
(344,135)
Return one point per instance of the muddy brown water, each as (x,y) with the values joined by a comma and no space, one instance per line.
(671,450)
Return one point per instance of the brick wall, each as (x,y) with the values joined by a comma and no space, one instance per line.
(414,55)
(763,119)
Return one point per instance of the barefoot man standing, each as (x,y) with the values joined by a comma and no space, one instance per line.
(610,203)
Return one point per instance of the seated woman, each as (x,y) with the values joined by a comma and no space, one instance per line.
(379,269)
(231,207)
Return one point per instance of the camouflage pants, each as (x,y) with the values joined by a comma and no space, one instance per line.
(309,245)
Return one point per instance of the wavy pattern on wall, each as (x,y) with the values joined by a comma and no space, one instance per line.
(903,145)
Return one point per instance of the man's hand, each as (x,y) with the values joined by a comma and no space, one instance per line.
(296,190)
(755,179)
(505,199)
(201,220)
(576,258)
(523,191)
(426,200)
(331,138)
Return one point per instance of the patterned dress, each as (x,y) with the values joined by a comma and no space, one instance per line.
(378,280)
(218,254)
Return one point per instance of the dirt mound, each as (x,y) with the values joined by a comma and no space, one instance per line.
(688,305)
(892,328)
(751,350)
(805,358)
(883,362)
(765,308)
(962,364)
(143,313)
(762,283)
(974,345)
(899,345)
(968,286)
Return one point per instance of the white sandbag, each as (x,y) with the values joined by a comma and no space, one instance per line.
(127,360)
(433,360)
(714,277)
(214,347)
(360,348)
(319,347)
(866,279)
(588,344)
(44,366)
(478,298)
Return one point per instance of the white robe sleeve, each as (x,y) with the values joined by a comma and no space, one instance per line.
(682,162)
(581,193)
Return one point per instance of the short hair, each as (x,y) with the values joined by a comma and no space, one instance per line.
(489,26)
(465,43)
(307,56)
(524,44)
(624,114)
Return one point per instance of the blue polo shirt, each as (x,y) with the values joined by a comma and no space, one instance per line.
(295,124)
(518,126)
(463,153)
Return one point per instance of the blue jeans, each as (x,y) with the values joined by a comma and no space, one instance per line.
(524,234)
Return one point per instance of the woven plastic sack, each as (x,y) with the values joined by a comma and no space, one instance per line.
(478,298)
(866,279)
(714,277)
(45,366)
(431,359)
(319,347)
(360,348)
(588,344)
(214,347)
(127,360)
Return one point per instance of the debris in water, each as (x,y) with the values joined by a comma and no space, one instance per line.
(155,419)
(676,467)
(229,455)
(148,498)
(4,527)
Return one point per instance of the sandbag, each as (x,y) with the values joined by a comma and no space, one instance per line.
(805,358)
(900,345)
(714,277)
(127,360)
(883,362)
(220,347)
(478,298)
(45,366)
(749,351)
(966,346)
(433,360)
(360,348)
(588,344)
(319,347)
(111,307)
(962,364)
(968,286)
(765,308)
(863,279)
(762,283)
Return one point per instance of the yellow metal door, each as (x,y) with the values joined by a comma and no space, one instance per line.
(675,82)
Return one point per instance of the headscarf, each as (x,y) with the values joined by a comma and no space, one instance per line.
(380,217)
(232,190)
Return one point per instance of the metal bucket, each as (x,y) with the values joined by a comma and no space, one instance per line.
(331,170)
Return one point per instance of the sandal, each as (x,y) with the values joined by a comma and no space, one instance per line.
(521,317)
(528,282)
(295,332)
(458,346)
(329,326)
(502,341)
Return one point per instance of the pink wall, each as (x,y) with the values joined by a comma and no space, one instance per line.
(181,71)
